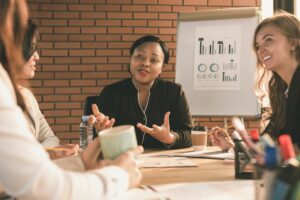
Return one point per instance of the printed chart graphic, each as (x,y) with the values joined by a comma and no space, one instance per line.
(217,58)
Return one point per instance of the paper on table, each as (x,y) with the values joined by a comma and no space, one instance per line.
(220,190)
(149,161)
(210,154)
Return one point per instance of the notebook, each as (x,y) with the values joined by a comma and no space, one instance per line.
(221,154)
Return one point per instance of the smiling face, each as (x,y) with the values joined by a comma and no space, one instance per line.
(146,63)
(29,68)
(273,48)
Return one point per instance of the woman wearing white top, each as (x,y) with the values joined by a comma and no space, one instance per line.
(26,172)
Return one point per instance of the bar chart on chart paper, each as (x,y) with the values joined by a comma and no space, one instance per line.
(217,58)
(216,47)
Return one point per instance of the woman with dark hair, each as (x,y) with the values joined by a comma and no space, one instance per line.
(38,125)
(158,108)
(26,172)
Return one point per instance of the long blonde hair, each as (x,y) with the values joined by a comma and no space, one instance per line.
(269,82)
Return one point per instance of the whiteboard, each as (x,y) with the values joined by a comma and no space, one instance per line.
(215,63)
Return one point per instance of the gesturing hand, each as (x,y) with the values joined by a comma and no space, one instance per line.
(161,133)
(220,137)
(102,121)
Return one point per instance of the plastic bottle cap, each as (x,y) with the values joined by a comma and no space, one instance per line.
(254,134)
(286,146)
(84,118)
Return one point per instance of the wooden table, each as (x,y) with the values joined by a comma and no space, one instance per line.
(207,170)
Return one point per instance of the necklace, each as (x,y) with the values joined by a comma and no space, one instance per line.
(286,92)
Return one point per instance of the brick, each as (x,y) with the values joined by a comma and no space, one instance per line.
(69,105)
(35,83)
(159,8)
(184,9)
(145,1)
(67,90)
(108,23)
(68,120)
(93,1)
(109,52)
(83,82)
(108,38)
(67,45)
(170,2)
(171,16)
(244,2)
(66,30)
(67,60)
(75,113)
(133,23)
(94,75)
(195,2)
(67,75)
(108,8)
(55,98)
(56,37)
(121,30)
(160,23)
(118,60)
(82,52)
(57,128)
(43,30)
(167,30)
(119,45)
(95,30)
(54,7)
(119,15)
(57,113)
(94,60)
(53,22)
(94,45)
(89,90)
(56,83)
(146,31)
(45,60)
(66,15)
(219,2)
(82,37)
(41,14)
(78,97)
(55,52)
(82,68)
(109,67)
(118,1)
(65,1)
(81,22)
(145,15)
(55,68)
(106,82)
(81,7)
(44,75)
(33,6)
(45,45)
(93,15)
(46,106)
(134,8)
(43,90)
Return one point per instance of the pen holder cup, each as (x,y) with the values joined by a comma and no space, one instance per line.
(281,182)
(243,167)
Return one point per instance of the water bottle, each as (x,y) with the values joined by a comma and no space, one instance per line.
(85,132)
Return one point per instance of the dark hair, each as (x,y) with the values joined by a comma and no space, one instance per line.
(151,38)
(11,39)
(30,33)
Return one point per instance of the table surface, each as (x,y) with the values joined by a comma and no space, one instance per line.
(206,170)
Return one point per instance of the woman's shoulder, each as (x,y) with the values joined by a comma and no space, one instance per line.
(118,86)
(169,84)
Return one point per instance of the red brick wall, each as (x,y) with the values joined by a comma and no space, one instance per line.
(84,45)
